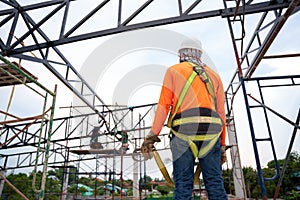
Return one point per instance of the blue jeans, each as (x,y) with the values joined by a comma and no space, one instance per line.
(183,171)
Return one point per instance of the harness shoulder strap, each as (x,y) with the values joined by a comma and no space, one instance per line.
(208,83)
(185,89)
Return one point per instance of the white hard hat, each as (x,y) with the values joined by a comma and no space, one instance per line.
(191,44)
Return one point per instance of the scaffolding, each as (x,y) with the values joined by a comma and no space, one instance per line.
(12,74)
(247,59)
(115,146)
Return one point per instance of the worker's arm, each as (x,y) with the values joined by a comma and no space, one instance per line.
(221,110)
(161,114)
(164,104)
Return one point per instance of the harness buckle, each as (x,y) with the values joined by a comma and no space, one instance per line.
(201,72)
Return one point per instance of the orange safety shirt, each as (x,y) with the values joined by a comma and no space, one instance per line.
(197,95)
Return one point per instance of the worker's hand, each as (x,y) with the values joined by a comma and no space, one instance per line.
(223,155)
(147,146)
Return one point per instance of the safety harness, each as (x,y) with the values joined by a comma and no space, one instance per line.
(211,119)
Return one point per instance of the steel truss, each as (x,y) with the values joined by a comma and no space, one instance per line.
(43,45)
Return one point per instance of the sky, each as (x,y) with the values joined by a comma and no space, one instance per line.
(113,63)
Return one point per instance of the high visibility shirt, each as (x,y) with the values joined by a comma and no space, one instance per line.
(197,95)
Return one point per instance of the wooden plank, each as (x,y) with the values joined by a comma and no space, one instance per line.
(10,76)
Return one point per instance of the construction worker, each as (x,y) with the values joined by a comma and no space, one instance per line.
(196,122)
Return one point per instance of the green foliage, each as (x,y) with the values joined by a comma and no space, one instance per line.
(72,189)
(82,190)
(252,184)
(287,191)
(60,172)
(228,181)
(24,184)
(87,181)
(21,182)
(147,184)
(292,196)
(164,190)
(289,180)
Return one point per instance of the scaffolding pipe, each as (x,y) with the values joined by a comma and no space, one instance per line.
(47,149)
(272,37)
(16,135)
(48,145)
(255,149)
(38,151)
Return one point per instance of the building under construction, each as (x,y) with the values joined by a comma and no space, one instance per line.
(75,75)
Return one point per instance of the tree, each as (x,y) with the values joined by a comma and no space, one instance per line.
(289,178)
(228,181)
(164,190)
(147,184)
(21,182)
(251,181)
(60,172)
